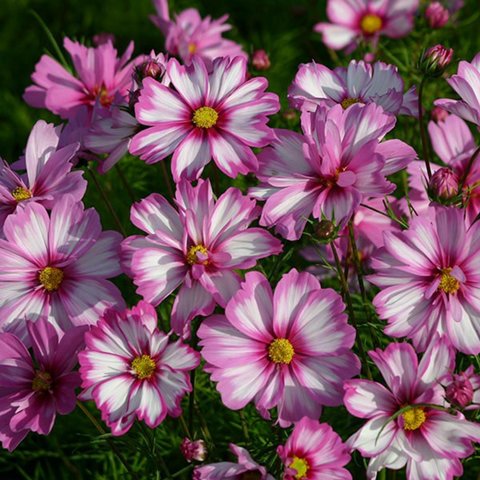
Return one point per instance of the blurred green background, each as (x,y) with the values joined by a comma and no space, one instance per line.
(284,29)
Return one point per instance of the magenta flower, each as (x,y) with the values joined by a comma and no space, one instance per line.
(216,114)
(288,349)
(402,427)
(462,389)
(467,85)
(190,35)
(315,452)
(193,450)
(437,15)
(355,20)
(245,468)
(101,78)
(49,174)
(130,369)
(197,247)
(331,169)
(429,281)
(56,266)
(444,184)
(380,83)
(33,392)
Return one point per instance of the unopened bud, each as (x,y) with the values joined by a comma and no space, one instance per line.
(438,114)
(437,15)
(150,68)
(260,60)
(193,450)
(325,231)
(444,184)
(435,60)
(460,391)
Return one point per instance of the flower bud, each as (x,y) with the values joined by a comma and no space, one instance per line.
(193,450)
(435,60)
(260,60)
(326,231)
(101,38)
(438,114)
(149,68)
(437,15)
(460,391)
(443,184)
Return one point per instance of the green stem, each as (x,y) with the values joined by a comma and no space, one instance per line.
(423,132)
(244,425)
(348,300)
(125,183)
(101,430)
(166,176)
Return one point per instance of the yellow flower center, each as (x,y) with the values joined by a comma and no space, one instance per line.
(448,283)
(192,48)
(413,418)
(192,257)
(301,466)
(281,351)
(41,382)
(103,95)
(205,117)
(371,23)
(144,366)
(51,278)
(20,194)
(349,101)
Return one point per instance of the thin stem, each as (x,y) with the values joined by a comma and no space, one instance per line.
(423,132)
(348,300)
(110,442)
(400,222)
(191,403)
(125,183)
(166,176)
(244,425)
(106,200)
(184,425)
(148,434)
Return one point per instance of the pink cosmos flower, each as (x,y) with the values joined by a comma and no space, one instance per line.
(101,77)
(33,392)
(49,174)
(190,35)
(356,20)
(328,171)
(193,450)
(380,83)
(216,114)
(463,389)
(56,266)
(130,369)
(467,85)
(245,468)
(197,248)
(428,440)
(429,280)
(315,452)
(288,349)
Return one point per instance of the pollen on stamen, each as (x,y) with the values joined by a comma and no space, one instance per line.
(281,351)
(51,278)
(41,382)
(144,366)
(193,257)
(413,418)
(205,117)
(301,466)
(448,283)
(21,193)
(347,102)
(371,23)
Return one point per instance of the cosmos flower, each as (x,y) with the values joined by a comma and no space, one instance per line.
(216,114)
(48,176)
(466,84)
(188,34)
(380,83)
(288,349)
(56,266)
(355,20)
(403,427)
(33,392)
(328,171)
(314,452)
(429,281)
(132,370)
(196,248)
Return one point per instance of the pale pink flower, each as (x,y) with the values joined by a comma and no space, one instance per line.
(289,349)
(217,114)
(355,20)
(132,370)
(33,392)
(48,177)
(330,170)
(245,468)
(188,34)
(197,248)
(260,60)
(466,84)
(402,429)
(56,266)
(314,452)
(360,82)
(429,281)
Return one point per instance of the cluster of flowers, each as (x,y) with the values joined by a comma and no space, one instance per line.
(289,348)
